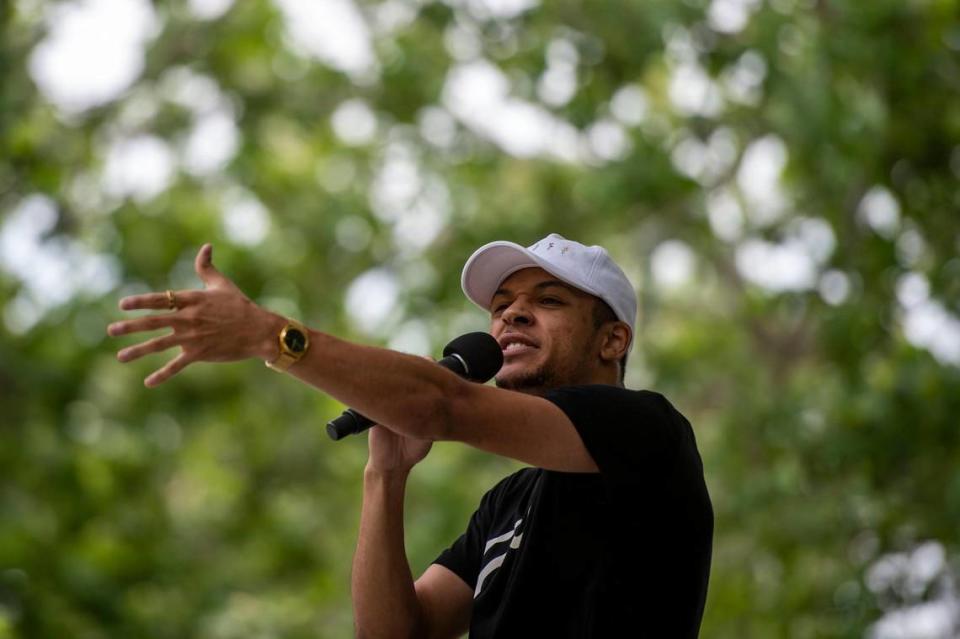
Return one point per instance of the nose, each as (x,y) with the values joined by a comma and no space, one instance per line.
(517,313)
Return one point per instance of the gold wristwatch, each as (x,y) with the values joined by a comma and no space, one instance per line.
(294,341)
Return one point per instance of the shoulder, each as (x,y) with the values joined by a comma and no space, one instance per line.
(627,431)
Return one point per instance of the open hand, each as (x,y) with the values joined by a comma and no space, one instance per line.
(216,324)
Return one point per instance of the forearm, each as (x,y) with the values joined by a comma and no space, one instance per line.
(384,600)
(404,391)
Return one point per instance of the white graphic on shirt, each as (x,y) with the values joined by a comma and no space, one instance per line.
(497,561)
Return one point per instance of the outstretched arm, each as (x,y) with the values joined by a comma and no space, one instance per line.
(413,397)
(220,324)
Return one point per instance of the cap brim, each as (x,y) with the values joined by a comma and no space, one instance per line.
(494,262)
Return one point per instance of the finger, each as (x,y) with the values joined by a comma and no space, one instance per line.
(154,345)
(171,368)
(204,267)
(157,301)
(149,323)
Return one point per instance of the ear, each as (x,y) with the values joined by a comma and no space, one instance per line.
(615,341)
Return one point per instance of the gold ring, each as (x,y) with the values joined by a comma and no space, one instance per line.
(171,300)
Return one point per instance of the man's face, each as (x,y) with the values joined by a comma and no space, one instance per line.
(546,331)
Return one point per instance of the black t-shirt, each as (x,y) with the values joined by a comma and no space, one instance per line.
(620,553)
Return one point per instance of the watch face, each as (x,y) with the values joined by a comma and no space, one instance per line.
(295,340)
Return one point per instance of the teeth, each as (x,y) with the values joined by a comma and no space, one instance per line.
(512,346)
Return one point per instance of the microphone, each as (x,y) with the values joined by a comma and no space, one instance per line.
(474,356)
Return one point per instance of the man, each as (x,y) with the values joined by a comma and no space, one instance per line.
(608,534)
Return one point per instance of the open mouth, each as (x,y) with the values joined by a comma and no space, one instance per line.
(517,348)
(516,344)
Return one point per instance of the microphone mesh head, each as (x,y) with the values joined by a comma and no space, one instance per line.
(480,351)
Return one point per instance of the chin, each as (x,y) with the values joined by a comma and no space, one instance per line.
(532,380)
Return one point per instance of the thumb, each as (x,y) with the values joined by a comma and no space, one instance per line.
(205,268)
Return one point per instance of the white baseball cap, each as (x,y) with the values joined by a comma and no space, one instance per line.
(588,268)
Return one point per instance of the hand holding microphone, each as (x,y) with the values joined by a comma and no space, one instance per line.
(473,356)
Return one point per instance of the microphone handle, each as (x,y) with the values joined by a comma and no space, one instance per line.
(351,422)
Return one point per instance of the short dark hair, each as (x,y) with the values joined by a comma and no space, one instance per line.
(602,313)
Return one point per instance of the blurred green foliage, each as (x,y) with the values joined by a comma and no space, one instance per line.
(215,506)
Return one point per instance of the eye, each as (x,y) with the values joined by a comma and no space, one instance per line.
(498,309)
(550,300)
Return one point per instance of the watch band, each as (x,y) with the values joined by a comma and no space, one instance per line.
(282,363)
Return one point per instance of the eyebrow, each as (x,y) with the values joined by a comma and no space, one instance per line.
(538,287)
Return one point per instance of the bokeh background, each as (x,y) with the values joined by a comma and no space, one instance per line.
(778,177)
